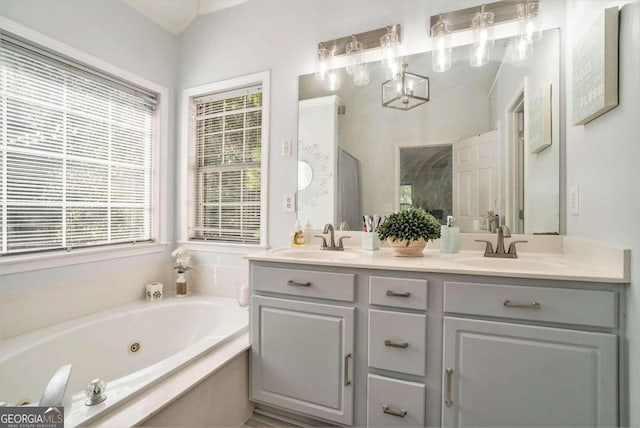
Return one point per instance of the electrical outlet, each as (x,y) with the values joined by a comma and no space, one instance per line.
(574,200)
(288,202)
(387,207)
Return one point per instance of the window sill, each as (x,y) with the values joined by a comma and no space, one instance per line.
(221,248)
(32,262)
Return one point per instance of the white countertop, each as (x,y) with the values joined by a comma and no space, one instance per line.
(575,260)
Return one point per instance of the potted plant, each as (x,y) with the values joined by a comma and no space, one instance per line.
(183,264)
(408,231)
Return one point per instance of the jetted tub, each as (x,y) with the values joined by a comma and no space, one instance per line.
(130,347)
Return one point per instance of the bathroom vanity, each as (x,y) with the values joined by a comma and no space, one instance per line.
(366,339)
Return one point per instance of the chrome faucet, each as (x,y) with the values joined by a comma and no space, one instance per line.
(503,232)
(328,228)
(53,393)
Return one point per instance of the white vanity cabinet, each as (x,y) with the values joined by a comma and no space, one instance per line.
(380,347)
(506,374)
(302,352)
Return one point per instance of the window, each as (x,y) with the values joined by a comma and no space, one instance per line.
(75,153)
(227,180)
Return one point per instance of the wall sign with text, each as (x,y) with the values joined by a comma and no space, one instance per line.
(595,68)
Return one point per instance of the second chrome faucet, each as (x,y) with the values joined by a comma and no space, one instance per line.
(328,228)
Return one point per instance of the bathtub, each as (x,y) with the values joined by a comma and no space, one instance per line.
(166,336)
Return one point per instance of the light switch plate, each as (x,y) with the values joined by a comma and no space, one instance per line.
(286,148)
(574,200)
(288,202)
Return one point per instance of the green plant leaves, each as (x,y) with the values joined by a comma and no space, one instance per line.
(410,224)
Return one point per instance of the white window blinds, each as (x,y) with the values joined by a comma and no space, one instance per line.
(227,173)
(75,154)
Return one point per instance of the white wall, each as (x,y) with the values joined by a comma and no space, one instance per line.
(602,158)
(112,32)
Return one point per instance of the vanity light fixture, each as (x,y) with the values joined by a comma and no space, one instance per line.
(353,48)
(389,44)
(525,12)
(355,67)
(441,52)
(406,91)
(482,26)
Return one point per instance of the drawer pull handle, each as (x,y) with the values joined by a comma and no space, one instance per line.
(389,411)
(298,284)
(392,293)
(510,304)
(402,345)
(448,402)
(347,381)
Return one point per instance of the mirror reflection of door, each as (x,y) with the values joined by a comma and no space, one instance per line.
(475,179)
(426,179)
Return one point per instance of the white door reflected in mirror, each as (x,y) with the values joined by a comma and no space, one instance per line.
(305,175)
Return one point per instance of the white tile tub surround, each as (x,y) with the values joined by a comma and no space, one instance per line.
(171,334)
(37,299)
(216,273)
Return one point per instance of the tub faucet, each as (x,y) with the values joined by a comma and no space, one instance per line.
(328,228)
(503,232)
(53,393)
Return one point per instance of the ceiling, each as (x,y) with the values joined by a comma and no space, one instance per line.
(176,15)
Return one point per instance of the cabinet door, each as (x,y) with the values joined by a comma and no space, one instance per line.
(302,357)
(506,375)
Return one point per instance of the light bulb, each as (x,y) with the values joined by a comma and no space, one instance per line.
(521,48)
(389,44)
(333,81)
(354,51)
(482,24)
(530,25)
(322,65)
(360,75)
(442,52)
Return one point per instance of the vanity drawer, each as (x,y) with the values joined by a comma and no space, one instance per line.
(580,307)
(398,292)
(397,341)
(308,283)
(394,403)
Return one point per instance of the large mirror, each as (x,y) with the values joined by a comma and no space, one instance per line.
(486,141)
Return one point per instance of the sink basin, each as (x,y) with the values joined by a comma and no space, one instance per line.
(508,264)
(317,254)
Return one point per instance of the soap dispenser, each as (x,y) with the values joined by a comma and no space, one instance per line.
(449,237)
(297,235)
